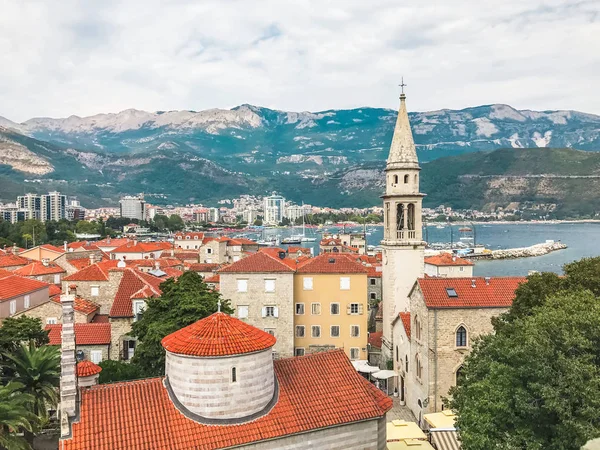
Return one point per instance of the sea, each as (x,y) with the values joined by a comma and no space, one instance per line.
(582,240)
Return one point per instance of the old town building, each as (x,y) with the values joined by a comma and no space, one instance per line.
(18,294)
(447,265)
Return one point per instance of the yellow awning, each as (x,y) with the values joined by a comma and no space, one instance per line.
(401,429)
(409,444)
(443,419)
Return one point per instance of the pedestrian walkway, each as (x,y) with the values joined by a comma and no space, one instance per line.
(400,412)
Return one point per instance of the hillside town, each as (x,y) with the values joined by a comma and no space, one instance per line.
(386,331)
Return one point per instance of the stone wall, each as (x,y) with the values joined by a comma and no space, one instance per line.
(87,350)
(204,386)
(35,298)
(400,354)
(54,310)
(107,290)
(256,298)
(417,390)
(366,435)
(119,327)
(374,289)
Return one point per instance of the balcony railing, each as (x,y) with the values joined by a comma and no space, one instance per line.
(409,234)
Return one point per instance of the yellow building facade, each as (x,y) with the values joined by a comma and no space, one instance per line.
(330,306)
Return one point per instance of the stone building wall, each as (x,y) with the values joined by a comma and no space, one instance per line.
(374,289)
(107,290)
(87,350)
(354,436)
(35,298)
(256,298)
(400,354)
(119,327)
(54,310)
(205,386)
(417,389)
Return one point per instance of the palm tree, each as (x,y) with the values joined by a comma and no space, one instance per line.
(37,369)
(15,416)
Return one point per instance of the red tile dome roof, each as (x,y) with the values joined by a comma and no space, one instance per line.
(218,335)
(87,369)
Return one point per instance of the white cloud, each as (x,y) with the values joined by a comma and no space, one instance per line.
(78,57)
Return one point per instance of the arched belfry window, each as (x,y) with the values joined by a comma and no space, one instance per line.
(405,179)
(400,216)
(395,179)
(416,179)
(461,337)
(411,216)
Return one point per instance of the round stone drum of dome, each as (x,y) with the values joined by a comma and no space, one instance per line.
(221,368)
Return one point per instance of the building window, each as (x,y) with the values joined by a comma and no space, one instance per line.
(334,309)
(299,331)
(307,283)
(26,301)
(209,251)
(406,364)
(95,291)
(354,353)
(299,309)
(335,331)
(418,367)
(354,308)
(461,337)
(96,356)
(459,375)
(373,296)
(13,307)
(299,351)
(405,179)
(57,278)
(316,331)
(138,309)
(315,309)
(373,281)
(345,283)
(354,330)
(242,311)
(461,269)
(417,328)
(397,354)
(270,285)
(395,179)
(270,311)
(234,375)
(242,285)
(271,331)
(51,321)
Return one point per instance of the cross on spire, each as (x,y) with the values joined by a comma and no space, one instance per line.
(402,85)
(219,305)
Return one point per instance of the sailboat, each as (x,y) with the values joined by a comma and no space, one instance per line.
(305,238)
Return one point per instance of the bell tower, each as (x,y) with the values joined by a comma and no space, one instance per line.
(403,246)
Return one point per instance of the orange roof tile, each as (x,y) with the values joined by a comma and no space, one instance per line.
(134,285)
(218,335)
(191,235)
(259,262)
(10,260)
(87,369)
(85,334)
(213,279)
(375,338)
(100,318)
(495,293)
(15,286)
(81,305)
(139,414)
(446,259)
(38,268)
(112,242)
(405,318)
(52,248)
(5,273)
(54,290)
(323,264)
(203,267)
(95,272)
(140,247)
(375,271)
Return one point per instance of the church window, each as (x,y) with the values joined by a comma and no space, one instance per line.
(411,216)
(400,216)
(395,179)
(405,179)
(397,354)
(417,327)
(406,360)
(416,179)
(459,375)
(233,375)
(461,337)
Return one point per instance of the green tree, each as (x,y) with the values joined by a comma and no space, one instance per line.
(161,222)
(15,416)
(36,229)
(183,302)
(38,370)
(535,383)
(85,227)
(175,223)
(113,371)
(15,331)
(258,222)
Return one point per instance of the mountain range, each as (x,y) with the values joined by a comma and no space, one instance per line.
(331,158)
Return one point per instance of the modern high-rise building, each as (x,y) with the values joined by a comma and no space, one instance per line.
(74,210)
(54,206)
(294,212)
(133,207)
(32,204)
(274,207)
(11,212)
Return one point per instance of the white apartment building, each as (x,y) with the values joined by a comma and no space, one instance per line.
(274,207)
(32,204)
(54,206)
(133,207)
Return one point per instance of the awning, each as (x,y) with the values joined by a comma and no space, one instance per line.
(409,444)
(442,419)
(398,430)
(364,367)
(445,439)
(384,374)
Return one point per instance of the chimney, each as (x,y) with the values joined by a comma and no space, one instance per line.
(453,257)
(45,262)
(108,239)
(487,281)
(473,283)
(92,258)
(68,372)
(14,249)
(65,245)
(157,265)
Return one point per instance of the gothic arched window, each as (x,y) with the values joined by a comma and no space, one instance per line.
(461,337)
(410,217)
(405,179)
(395,179)
(400,216)
(459,375)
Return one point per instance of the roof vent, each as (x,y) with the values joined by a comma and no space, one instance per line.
(121,264)
(473,283)
(487,281)
(281,255)
(45,261)
(331,260)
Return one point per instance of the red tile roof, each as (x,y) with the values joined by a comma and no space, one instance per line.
(140,415)
(38,268)
(134,285)
(259,262)
(375,271)
(100,318)
(322,264)
(87,369)
(496,293)
(182,236)
(52,248)
(140,247)
(5,273)
(81,305)
(54,290)
(203,267)
(10,260)
(85,334)
(375,338)
(86,245)
(15,286)
(446,259)
(405,318)
(112,242)
(213,279)
(95,272)
(241,241)
(296,250)
(218,335)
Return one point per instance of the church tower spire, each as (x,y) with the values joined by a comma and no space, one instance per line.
(403,246)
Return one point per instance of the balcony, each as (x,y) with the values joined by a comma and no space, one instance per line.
(409,234)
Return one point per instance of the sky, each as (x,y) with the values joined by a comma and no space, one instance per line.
(86,57)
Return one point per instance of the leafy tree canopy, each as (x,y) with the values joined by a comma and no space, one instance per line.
(15,331)
(183,302)
(113,371)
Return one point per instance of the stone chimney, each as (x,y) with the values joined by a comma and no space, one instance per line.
(92,258)
(65,245)
(68,372)
(473,283)
(45,262)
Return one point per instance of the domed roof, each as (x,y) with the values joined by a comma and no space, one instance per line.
(218,335)
(87,369)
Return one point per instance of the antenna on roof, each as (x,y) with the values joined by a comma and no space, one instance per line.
(219,305)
